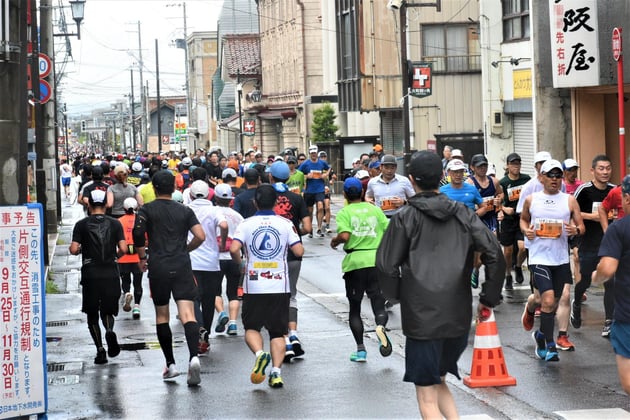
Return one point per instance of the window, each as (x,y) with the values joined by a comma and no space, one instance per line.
(515,20)
(451,48)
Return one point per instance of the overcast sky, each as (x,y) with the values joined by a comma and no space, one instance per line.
(100,73)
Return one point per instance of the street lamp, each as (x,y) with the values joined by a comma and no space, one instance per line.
(78,9)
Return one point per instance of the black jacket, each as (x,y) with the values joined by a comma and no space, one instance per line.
(426,258)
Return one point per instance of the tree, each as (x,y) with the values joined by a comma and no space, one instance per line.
(323,126)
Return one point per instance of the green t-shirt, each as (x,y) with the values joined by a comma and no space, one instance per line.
(366,224)
(296,182)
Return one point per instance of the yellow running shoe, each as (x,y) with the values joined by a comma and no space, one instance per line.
(258,372)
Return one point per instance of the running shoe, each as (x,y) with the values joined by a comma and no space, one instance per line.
(563,343)
(310,235)
(552,353)
(127,304)
(358,356)
(258,372)
(508,283)
(327,228)
(221,322)
(541,348)
(319,233)
(170,372)
(606,329)
(232,329)
(101,357)
(385,346)
(584,297)
(135,312)
(518,272)
(297,346)
(288,353)
(275,380)
(194,372)
(576,314)
(527,319)
(537,312)
(474,279)
(203,348)
(113,349)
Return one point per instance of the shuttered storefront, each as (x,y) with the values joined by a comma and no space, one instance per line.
(524,142)
(392,133)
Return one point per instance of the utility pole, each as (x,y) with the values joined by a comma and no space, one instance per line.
(159,116)
(188,107)
(46,169)
(144,135)
(133,116)
(13,57)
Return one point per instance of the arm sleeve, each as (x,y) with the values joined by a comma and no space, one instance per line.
(140,228)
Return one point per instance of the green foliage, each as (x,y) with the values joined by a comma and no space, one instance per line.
(323,126)
(51,287)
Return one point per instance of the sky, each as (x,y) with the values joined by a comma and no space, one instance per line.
(99,74)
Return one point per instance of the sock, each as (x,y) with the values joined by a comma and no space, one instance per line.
(191,330)
(292,333)
(165,337)
(561,333)
(95,332)
(108,322)
(360,347)
(546,325)
(275,370)
(258,353)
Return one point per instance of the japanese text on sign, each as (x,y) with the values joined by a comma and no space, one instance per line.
(22,330)
(574,45)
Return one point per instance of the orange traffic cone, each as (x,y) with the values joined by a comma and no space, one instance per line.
(488,364)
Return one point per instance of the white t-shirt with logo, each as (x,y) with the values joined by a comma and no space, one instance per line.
(266,240)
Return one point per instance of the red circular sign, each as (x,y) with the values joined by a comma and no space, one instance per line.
(45,65)
(616,44)
(45,91)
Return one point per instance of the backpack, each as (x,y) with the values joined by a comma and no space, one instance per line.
(99,239)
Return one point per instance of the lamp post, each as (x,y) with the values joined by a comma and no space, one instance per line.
(254,96)
(78,9)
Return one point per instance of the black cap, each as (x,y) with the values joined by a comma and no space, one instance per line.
(426,166)
(478,160)
(512,157)
(251,176)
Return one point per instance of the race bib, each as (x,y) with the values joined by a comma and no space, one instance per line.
(514,193)
(488,202)
(548,228)
(317,174)
(388,204)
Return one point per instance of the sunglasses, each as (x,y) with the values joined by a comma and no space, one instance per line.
(556,175)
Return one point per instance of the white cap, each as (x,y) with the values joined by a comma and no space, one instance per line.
(549,165)
(541,157)
(228,172)
(570,163)
(136,167)
(356,160)
(456,152)
(455,165)
(223,191)
(130,203)
(362,174)
(187,161)
(312,149)
(199,189)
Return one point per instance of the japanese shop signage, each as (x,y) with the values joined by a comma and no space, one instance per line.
(420,79)
(22,312)
(574,43)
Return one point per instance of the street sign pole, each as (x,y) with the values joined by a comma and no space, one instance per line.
(617,48)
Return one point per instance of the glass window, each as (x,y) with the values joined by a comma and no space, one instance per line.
(515,20)
(451,48)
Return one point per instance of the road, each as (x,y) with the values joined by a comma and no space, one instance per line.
(325,384)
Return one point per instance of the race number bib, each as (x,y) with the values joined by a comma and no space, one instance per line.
(317,174)
(514,193)
(548,228)
(388,204)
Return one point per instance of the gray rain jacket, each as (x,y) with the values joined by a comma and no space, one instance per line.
(426,258)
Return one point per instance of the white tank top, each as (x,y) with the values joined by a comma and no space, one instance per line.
(549,213)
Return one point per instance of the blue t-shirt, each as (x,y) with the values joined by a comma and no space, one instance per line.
(616,244)
(314,185)
(467,194)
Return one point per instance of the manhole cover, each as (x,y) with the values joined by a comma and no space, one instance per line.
(62,367)
(63,380)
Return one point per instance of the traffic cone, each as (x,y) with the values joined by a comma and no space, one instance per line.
(488,364)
